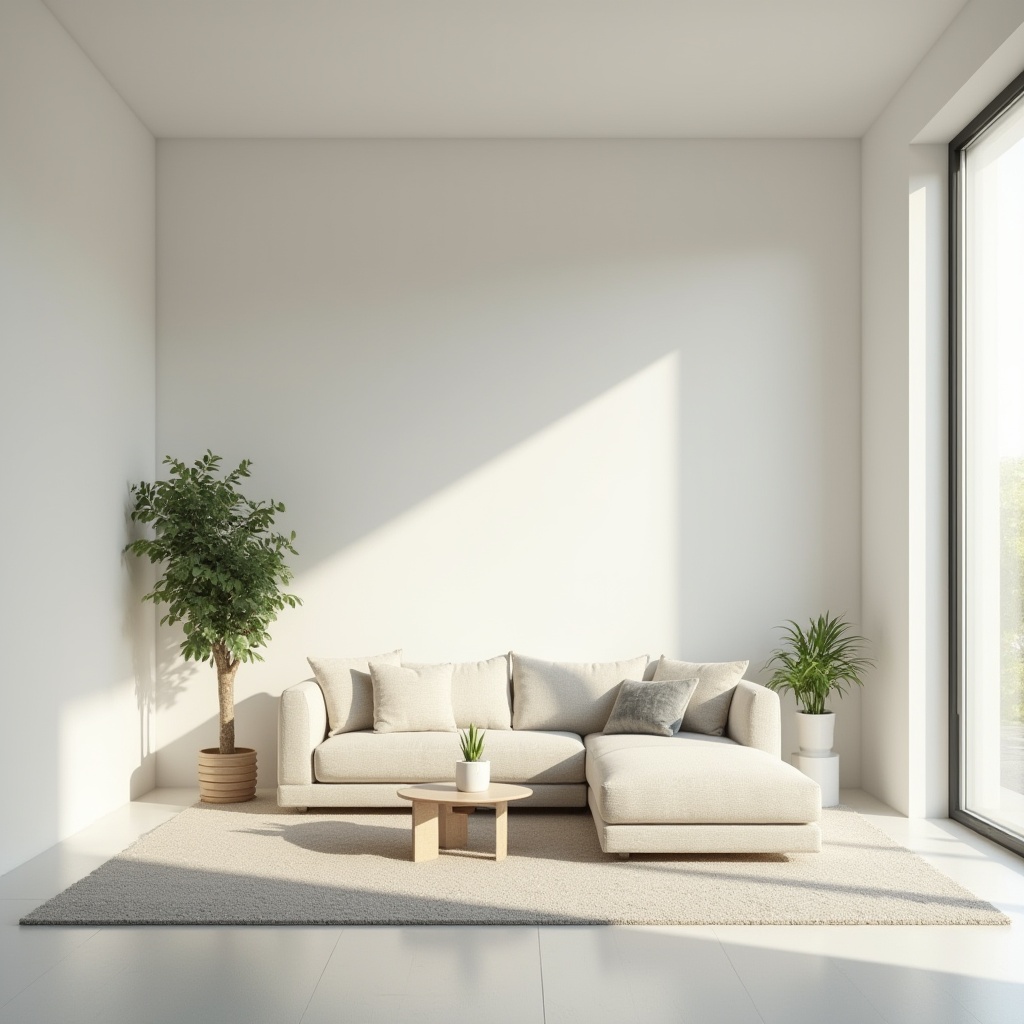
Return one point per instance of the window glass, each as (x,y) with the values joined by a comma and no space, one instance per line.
(991,499)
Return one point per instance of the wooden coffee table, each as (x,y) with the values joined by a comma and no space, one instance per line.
(439,813)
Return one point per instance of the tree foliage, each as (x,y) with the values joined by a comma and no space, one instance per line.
(224,567)
(818,661)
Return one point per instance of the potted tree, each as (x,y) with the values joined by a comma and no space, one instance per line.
(815,663)
(223,570)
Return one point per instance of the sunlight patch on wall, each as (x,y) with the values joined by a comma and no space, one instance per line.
(102,739)
(568,536)
(576,526)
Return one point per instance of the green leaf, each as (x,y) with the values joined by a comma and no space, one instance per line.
(223,566)
(472,743)
(818,662)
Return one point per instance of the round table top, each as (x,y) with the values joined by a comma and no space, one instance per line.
(446,793)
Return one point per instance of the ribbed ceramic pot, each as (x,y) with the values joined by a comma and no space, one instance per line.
(227,778)
(472,776)
(815,733)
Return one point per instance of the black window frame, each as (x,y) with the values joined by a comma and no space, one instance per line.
(1013,92)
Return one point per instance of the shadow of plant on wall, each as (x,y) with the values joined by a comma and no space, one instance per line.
(256,720)
(160,676)
(174,674)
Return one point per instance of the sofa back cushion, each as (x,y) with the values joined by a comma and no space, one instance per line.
(565,695)
(348,692)
(708,710)
(412,699)
(481,693)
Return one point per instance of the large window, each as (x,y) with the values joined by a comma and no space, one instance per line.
(987,527)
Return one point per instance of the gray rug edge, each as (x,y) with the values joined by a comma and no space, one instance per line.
(983,914)
(994,920)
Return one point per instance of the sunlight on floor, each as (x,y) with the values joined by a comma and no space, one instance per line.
(788,974)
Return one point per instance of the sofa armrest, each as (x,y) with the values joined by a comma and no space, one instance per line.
(755,718)
(301,728)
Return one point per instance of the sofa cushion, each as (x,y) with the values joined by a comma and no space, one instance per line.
(412,699)
(348,692)
(708,710)
(481,693)
(653,708)
(407,757)
(571,696)
(694,779)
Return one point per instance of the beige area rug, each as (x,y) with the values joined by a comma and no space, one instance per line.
(257,864)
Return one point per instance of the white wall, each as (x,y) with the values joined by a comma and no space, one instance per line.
(904,570)
(581,399)
(76,425)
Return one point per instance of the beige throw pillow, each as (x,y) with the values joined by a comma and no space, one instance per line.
(567,696)
(348,692)
(481,693)
(412,699)
(708,710)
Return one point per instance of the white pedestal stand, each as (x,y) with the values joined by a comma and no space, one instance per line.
(824,769)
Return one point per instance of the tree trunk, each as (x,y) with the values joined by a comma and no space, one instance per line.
(227,669)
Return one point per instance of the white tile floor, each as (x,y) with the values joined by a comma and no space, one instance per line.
(732,975)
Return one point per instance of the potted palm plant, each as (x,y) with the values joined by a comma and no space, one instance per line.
(472,773)
(814,663)
(223,569)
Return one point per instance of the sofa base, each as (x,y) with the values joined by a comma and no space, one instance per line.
(625,839)
(385,794)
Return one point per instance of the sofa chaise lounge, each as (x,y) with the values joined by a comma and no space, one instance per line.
(718,785)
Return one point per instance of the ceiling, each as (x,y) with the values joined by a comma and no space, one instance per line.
(506,68)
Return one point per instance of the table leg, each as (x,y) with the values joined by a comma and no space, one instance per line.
(454,835)
(424,830)
(500,831)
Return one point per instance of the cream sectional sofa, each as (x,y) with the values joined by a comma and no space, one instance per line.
(685,793)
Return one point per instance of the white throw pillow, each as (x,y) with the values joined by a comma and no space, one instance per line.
(481,693)
(567,696)
(348,692)
(708,710)
(412,699)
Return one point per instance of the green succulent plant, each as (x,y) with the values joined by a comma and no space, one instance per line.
(818,661)
(472,742)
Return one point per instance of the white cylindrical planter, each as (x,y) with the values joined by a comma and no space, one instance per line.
(815,733)
(472,776)
(824,771)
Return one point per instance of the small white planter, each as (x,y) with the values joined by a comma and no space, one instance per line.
(472,776)
(815,733)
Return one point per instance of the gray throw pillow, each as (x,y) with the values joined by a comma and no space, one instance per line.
(653,708)
(708,710)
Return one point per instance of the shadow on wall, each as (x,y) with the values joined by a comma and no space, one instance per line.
(393,316)
(140,634)
(580,400)
(255,726)
(176,674)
